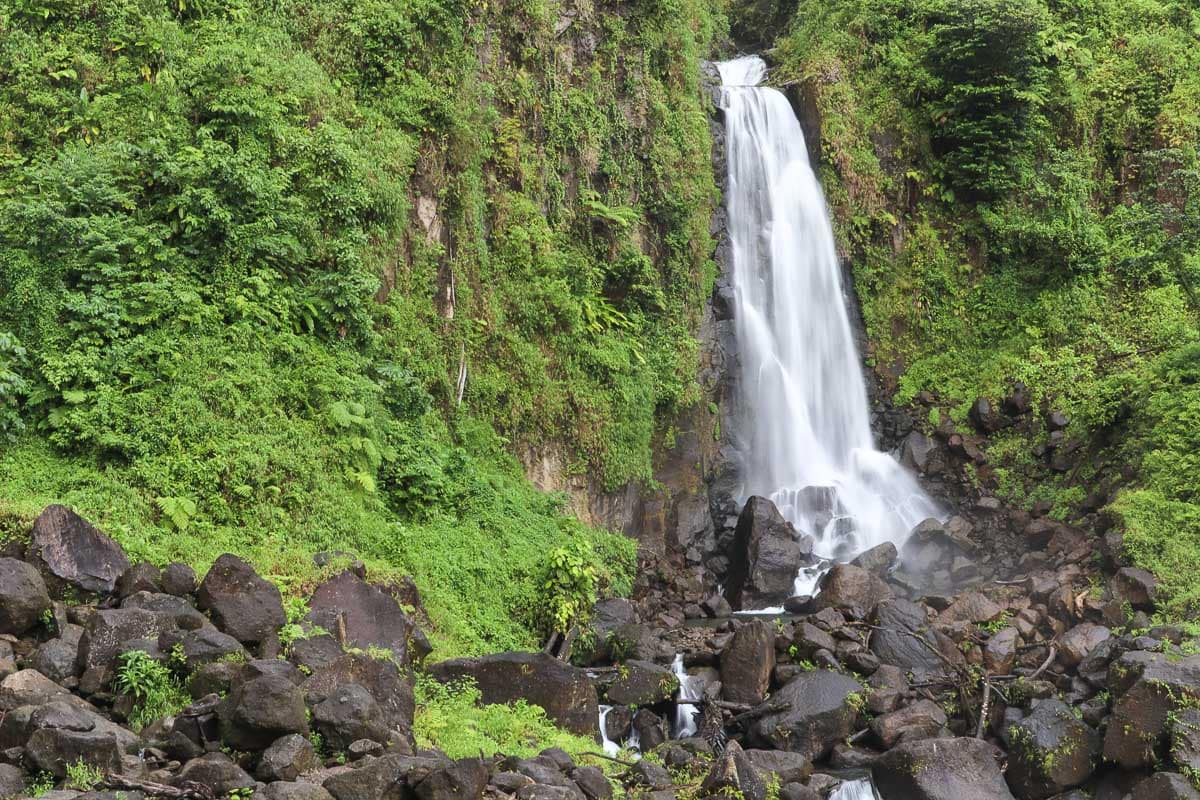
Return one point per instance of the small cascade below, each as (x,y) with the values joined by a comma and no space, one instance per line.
(805,428)
(611,748)
(685,711)
(861,789)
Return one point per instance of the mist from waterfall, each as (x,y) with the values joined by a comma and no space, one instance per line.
(805,425)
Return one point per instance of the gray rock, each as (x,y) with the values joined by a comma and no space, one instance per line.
(747,662)
(12,782)
(1050,751)
(113,631)
(923,719)
(822,710)
(179,580)
(141,577)
(786,767)
(216,771)
(464,779)
(733,774)
(70,552)
(905,639)
(283,790)
(383,680)
(852,589)
(259,711)
(1149,688)
(54,749)
(641,683)
(368,616)
(241,603)
(23,596)
(941,769)
(1165,786)
(766,554)
(347,714)
(287,759)
(565,692)
(376,779)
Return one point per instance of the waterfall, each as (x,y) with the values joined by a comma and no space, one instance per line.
(861,789)
(804,425)
(685,720)
(610,747)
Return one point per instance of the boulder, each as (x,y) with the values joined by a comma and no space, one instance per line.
(391,689)
(941,769)
(648,775)
(1136,585)
(641,683)
(205,646)
(1165,786)
(347,714)
(259,711)
(54,749)
(141,577)
(971,607)
(1075,644)
(1185,741)
(1148,689)
(1000,652)
(464,779)
(1050,751)
(56,659)
(216,771)
(852,588)
(592,782)
(287,758)
(241,603)
(650,728)
(12,781)
(110,632)
(823,708)
(766,555)
(607,615)
(732,774)
(178,579)
(284,790)
(985,417)
(784,766)
(904,639)
(71,552)
(28,687)
(878,560)
(389,777)
(746,663)
(565,692)
(362,616)
(923,719)
(23,596)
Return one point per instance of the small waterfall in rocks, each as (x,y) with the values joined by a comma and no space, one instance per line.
(611,748)
(805,427)
(685,711)
(861,789)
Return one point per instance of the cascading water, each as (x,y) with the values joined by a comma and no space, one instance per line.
(805,427)
(861,789)
(685,707)
(610,747)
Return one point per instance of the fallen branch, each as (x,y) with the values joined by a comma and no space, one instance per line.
(760,711)
(987,703)
(189,791)
(1045,664)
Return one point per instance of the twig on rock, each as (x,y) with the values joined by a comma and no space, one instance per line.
(188,791)
(987,703)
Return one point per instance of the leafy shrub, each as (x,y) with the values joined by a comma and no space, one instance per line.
(156,691)
(567,585)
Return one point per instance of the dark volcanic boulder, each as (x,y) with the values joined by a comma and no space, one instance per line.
(347,714)
(747,662)
(56,659)
(259,711)
(178,579)
(1075,644)
(941,769)
(641,683)
(1050,751)
(853,589)
(878,560)
(216,771)
(71,552)
(1185,740)
(923,719)
(786,767)
(389,777)
(382,678)
(904,639)
(287,758)
(464,779)
(366,615)
(112,631)
(54,749)
(732,774)
(1149,688)
(1165,786)
(141,577)
(766,555)
(985,417)
(823,708)
(241,603)
(23,596)
(562,690)
(285,790)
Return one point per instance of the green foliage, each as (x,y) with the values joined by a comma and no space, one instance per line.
(228,321)
(40,784)
(83,776)
(156,691)
(566,589)
(450,718)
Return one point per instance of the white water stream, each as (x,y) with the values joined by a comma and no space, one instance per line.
(861,789)
(805,428)
(689,690)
